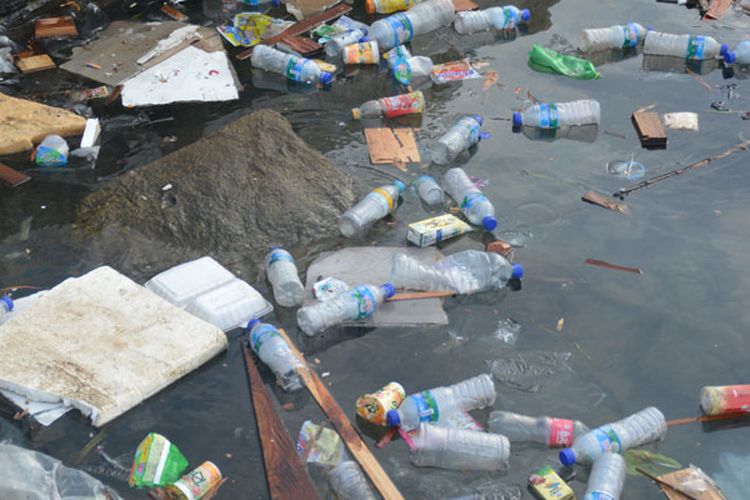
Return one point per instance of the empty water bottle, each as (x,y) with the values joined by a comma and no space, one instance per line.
(495,18)
(349,483)
(282,273)
(554,432)
(640,428)
(6,308)
(429,190)
(356,304)
(615,37)
(459,449)
(294,68)
(391,107)
(436,405)
(335,46)
(607,478)
(403,27)
(460,137)
(377,204)
(388,6)
(561,114)
(690,47)
(472,202)
(272,349)
(743,53)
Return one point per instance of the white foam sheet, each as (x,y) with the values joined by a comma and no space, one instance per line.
(101,344)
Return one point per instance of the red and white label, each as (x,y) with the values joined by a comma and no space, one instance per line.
(560,432)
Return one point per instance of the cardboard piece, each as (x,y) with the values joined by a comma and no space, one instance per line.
(649,129)
(12,178)
(675,485)
(396,146)
(55,27)
(463,5)
(717,9)
(303,9)
(35,63)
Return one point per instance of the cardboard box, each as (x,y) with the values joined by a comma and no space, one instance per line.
(545,484)
(430,231)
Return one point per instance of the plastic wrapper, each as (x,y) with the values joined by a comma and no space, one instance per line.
(249,28)
(52,152)
(548,61)
(157,462)
(319,445)
(454,72)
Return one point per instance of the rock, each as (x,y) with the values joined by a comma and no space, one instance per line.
(249,185)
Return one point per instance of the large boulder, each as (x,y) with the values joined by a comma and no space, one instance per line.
(249,185)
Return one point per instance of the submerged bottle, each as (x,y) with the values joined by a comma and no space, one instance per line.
(472,202)
(640,428)
(690,47)
(294,68)
(436,405)
(459,449)
(495,18)
(607,478)
(335,46)
(561,114)
(743,53)
(272,349)
(460,137)
(349,483)
(403,27)
(554,432)
(391,107)
(377,204)
(615,37)
(353,305)
(388,6)
(6,308)
(282,273)
(429,190)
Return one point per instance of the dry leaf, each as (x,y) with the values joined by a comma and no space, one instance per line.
(490,79)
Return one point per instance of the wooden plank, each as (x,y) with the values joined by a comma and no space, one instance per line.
(305,46)
(12,178)
(650,131)
(55,27)
(597,199)
(173,13)
(286,475)
(463,5)
(302,27)
(615,267)
(717,9)
(338,418)
(421,295)
(394,146)
(34,64)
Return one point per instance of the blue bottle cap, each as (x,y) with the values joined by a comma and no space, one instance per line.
(392,418)
(568,457)
(364,39)
(724,50)
(517,272)
(526,15)
(729,58)
(489,223)
(8,301)
(517,119)
(326,78)
(389,290)
(276,3)
(484,136)
(251,324)
(399,185)
(478,118)
(649,28)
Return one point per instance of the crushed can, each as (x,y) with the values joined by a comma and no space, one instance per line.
(198,483)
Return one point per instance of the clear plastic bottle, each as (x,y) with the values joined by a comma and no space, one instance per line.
(460,137)
(607,478)
(388,6)
(353,305)
(466,272)
(554,432)
(349,483)
(640,428)
(429,190)
(6,308)
(266,341)
(690,47)
(335,46)
(391,107)
(402,27)
(561,114)
(288,290)
(615,37)
(459,449)
(495,18)
(474,205)
(294,68)
(435,405)
(743,53)
(377,204)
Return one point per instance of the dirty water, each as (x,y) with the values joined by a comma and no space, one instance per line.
(634,340)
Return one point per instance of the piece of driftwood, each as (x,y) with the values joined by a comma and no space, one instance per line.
(301,44)
(603,201)
(614,267)
(392,145)
(35,63)
(650,131)
(12,178)
(55,27)
(421,295)
(717,9)
(338,418)
(173,13)
(286,475)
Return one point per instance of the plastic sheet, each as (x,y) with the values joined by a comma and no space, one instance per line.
(549,61)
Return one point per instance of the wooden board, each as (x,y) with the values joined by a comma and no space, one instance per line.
(55,27)
(34,64)
(173,13)
(305,46)
(717,9)
(671,485)
(462,5)
(338,418)
(392,145)
(597,199)
(286,475)
(650,131)
(12,178)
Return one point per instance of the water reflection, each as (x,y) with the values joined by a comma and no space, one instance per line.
(668,64)
(584,133)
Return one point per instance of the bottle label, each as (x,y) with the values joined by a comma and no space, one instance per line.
(471,200)
(427,408)
(599,495)
(294,68)
(548,116)
(560,433)
(696,44)
(401,27)
(511,18)
(608,440)
(278,255)
(404,104)
(361,53)
(365,302)
(474,132)
(632,37)
(261,335)
(383,196)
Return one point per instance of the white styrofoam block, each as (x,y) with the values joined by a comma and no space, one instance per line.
(230,306)
(181,284)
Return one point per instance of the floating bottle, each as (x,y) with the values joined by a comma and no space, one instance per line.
(720,400)
(460,137)
(403,27)
(429,190)
(689,47)
(615,37)
(294,68)
(459,449)
(470,199)
(272,349)
(288,290)
(388,6)
(607,478)
(554,432)
(335,46)
(743,53)
(377,204)
(391,107)
(556,115)
(349,483)
(6,308)
(495,18)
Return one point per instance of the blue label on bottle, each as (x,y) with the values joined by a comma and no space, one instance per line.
(472,199)
(294,68)
(511,18)
(427,409)
(548,116)
(365,302)
(632,36)
(278,255)
(598,495)
(696,44)
(608,440)
(261,334)
(439,235)
(474,132)
(401,27)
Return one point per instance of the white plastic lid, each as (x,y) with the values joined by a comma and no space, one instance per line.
(181,284)
(230,306)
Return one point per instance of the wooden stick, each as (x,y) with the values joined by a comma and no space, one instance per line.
(421,295)
(706,418)
(338,418)
(287,477)
(616,267)
(664,483)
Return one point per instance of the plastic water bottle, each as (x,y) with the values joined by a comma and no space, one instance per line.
(436,405)
(272,349)
(335,46)
(377,204)
(640,428)
(349,483)
(388,6)
(391,107)
(294,68)
(615,37)
(460,137)
(554,432)
(353,305)
(495,18)
(6,308)
(403,27)
(690,47)
(474,205)
(282,273)
(743,53)
(429,190)
(607,478)
(561,114)
(459,449)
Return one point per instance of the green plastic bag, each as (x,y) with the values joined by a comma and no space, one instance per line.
(157,462)
(549,61)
